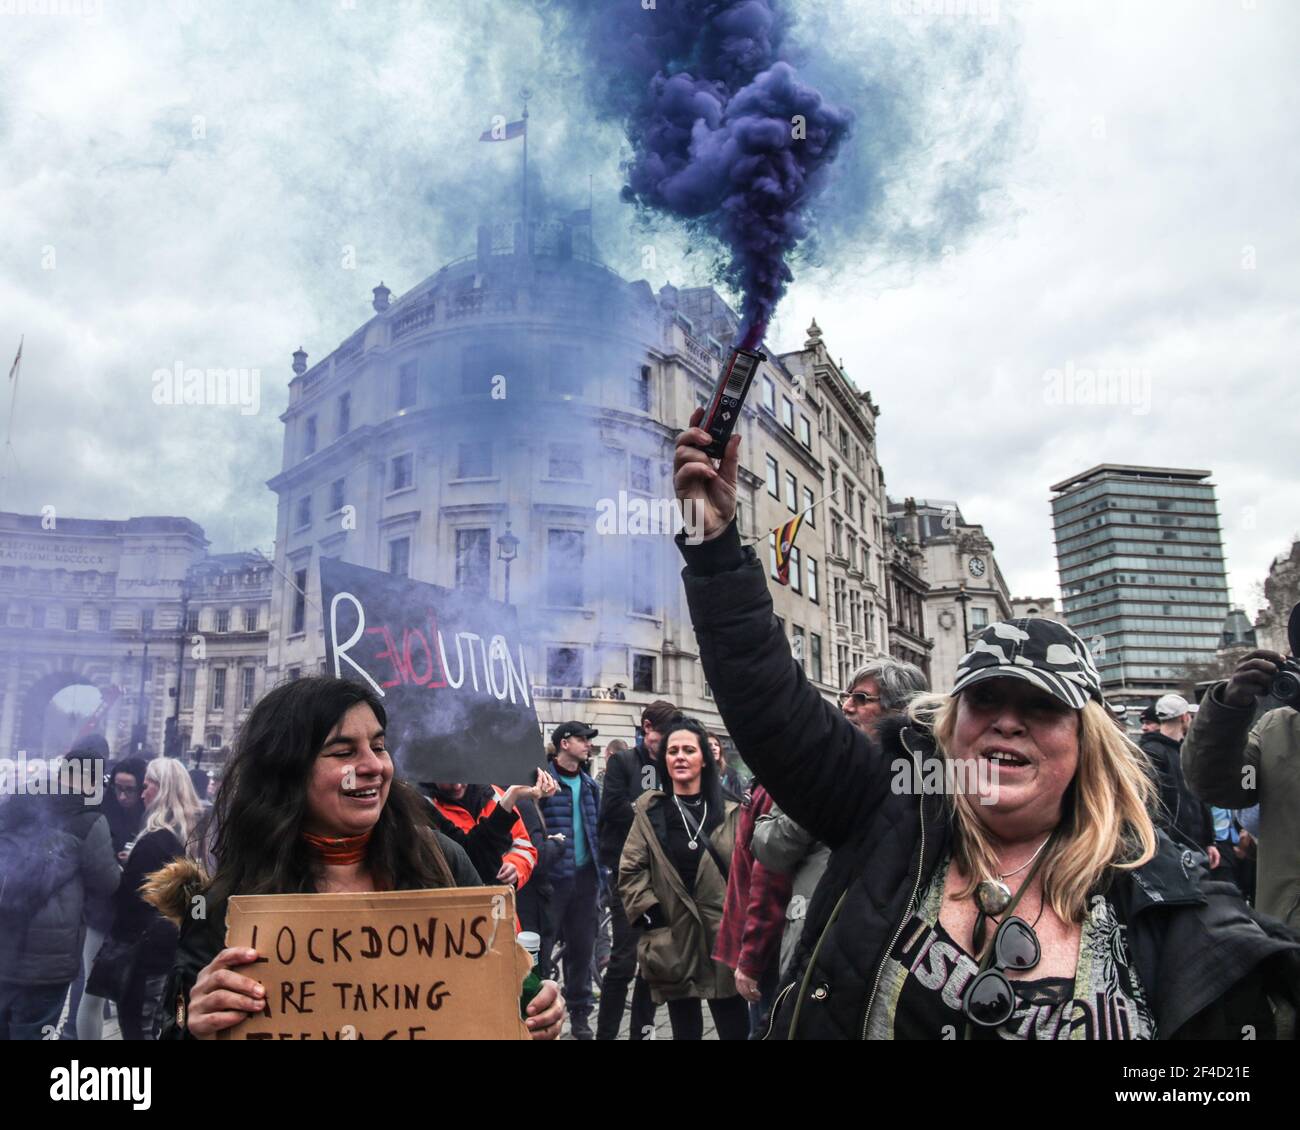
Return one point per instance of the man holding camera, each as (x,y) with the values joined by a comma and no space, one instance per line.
(1233,763)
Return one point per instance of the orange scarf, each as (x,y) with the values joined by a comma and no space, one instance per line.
(336,851)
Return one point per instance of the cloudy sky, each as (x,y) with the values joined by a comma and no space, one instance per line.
(216,184)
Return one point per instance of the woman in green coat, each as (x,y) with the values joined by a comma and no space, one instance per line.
(673,882)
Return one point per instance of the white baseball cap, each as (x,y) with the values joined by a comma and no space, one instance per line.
(1170,706)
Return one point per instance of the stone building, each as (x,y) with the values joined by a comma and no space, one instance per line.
(93,631)
(967,590)
(528,392)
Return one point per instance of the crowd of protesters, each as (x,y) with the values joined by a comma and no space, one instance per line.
(813,898)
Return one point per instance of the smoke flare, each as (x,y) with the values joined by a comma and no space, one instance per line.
(724,134)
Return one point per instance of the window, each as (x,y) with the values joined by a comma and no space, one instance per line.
(979,617)
(399,557)
(250,618)
(336,496)
(842,665)
(70,617)
(837,537)
(248,676)
(773,478)
(844,441)
(771,555)
(219,689)
(848,499)
(299,601)
(566,371)
(146,620)
(564,557)
(345,413)
(645,590)
(809,510)
(309,436)
(223,619)
(565,461)
(639,477)
(105,620)
(303,516)
(815,658)
(214,740)
(641,390)
(473,560)
(796,580)
(191,619)
(563,667)
(474,461)
(643,673)
(805,432)
(787,414)
(835,479)
(402,472)
(811,574)
(38,616)
(791,492)
(187,689)
(798,644)
(769,395)
(841,594)
(406,384)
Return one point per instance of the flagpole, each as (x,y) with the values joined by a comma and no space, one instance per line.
(13,402)
(800,514)
(527,239)
(13,393)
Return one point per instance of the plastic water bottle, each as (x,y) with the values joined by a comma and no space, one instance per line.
(532,983)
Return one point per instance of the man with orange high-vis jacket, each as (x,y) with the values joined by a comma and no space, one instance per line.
(490,829)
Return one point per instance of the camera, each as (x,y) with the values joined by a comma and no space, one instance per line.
(1286,683)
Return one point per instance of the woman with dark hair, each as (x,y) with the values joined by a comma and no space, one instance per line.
(309,804)
(673,880)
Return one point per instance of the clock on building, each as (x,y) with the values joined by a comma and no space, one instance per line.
(976,566)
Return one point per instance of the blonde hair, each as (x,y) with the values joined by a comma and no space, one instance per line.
(176,808)
(1106,820)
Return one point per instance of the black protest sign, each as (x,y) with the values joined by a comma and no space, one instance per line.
(449,666)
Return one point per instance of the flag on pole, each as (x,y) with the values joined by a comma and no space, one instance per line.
(504,131)
(785,536)
(13,369)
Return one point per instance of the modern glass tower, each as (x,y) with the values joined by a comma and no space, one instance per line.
(1140,557)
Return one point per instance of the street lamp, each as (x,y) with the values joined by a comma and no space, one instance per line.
(964,598)
(507,551)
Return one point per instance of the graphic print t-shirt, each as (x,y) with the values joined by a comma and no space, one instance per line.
(926,974)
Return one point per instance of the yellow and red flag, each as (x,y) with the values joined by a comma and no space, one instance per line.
(785,536)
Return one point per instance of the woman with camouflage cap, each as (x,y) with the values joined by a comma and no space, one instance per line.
(995,872)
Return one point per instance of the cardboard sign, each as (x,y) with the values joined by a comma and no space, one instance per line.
(396,965)
(449,666)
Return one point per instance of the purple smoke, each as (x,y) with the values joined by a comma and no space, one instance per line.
(724,134)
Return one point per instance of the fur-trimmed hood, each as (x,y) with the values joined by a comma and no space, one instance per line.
(172,889)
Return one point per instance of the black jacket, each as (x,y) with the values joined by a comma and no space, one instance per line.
(1182,814)
(629,773)
(1205,961)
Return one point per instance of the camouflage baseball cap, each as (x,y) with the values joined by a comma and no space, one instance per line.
(1040,651)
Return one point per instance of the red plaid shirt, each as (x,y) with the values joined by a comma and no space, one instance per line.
(753,917)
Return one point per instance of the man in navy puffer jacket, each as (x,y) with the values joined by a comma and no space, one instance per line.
(576,878)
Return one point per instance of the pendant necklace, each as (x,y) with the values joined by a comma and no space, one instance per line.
(692,838)
(993,895)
